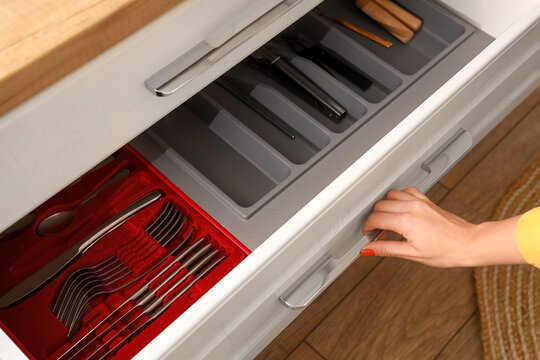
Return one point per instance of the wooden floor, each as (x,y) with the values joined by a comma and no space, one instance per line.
(393,309)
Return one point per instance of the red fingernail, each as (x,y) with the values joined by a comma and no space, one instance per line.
(366,252)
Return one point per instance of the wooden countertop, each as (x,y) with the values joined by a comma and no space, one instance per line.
(43,40)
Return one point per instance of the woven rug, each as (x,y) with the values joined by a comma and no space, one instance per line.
(509,295)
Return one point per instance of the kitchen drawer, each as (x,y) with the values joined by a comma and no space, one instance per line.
(303,228)
(300,256)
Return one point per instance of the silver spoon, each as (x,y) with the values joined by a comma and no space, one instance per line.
(27,220)
(57,222)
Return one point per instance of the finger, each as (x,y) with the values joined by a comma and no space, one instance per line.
(393,206)
(399,195)
(415,192)
(396,222)
(401,249)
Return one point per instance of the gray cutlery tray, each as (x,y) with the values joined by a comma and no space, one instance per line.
(243,160)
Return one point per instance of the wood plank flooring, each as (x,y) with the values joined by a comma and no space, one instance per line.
(390,308)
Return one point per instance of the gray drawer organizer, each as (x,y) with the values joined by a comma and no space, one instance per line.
(250,176)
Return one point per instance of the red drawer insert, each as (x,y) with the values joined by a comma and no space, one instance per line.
(129,252)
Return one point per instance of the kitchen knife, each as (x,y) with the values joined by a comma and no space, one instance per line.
(327,104)
(257,106)
(328,60)
(48,272)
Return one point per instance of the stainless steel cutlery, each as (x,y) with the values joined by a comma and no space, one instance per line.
(112,274)
(49,271)
(257,106)
(266,58)
(146,303)
(58,221)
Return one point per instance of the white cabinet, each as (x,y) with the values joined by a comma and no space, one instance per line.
(72,125)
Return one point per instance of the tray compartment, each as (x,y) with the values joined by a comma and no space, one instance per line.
(222,150)
(309,138)
(320,29)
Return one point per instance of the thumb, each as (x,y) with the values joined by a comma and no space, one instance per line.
(401,249)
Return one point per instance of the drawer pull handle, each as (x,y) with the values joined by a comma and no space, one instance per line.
(320,275)
(176,75)
(308,286)
(442,160)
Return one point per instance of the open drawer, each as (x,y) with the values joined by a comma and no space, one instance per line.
(298,206)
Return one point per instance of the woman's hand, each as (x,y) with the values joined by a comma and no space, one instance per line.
(436,237)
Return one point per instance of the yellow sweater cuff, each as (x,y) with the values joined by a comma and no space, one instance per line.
(528,236)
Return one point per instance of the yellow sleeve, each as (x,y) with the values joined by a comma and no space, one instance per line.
(528,236)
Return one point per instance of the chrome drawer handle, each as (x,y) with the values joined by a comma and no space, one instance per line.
(317,278)
(308,286)
(442,160)
(177,75)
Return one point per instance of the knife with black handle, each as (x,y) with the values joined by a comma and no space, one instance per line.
(258,107)
(327,104)
(40,278)
(335,65)
(327,59)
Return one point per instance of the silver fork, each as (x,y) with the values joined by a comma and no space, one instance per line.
(166,226)
(96,271)
(83,275)
(86,301)
(191,255)
(157,307)
(84,291)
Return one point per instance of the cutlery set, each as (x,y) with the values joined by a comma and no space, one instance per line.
(192,260)
(147,253)
(113,273)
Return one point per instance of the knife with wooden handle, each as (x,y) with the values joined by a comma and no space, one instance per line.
(411,21)
(386,20)
(362,32)
(49,271)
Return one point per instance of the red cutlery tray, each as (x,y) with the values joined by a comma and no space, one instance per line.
(31,323)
